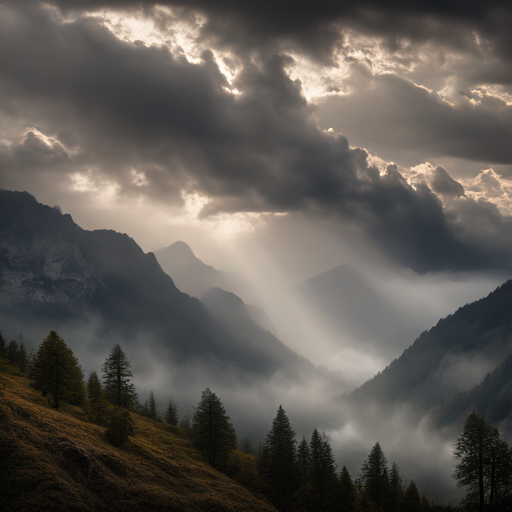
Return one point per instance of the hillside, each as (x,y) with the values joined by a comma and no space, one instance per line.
(452,357)
(52,460)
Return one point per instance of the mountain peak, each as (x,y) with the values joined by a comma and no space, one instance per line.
(179,253)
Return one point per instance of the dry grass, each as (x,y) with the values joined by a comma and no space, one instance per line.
(55,460)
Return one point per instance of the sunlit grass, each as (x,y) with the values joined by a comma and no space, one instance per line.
(55,460)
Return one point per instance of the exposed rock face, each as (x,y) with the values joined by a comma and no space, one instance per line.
(41,266)
(55,275)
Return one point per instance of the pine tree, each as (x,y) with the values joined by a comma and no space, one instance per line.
(374,476)
(120,426)
(11,352)
(97,406)
(22,354)
(396,487)
(412,500)
(171,414)
(323,472)
(277,462)
(151,407)
(185,424)
(116,379)
(473,449)
(348,494)
(2,345)
(212,432)
(246,446)
(56,372)
(304,461)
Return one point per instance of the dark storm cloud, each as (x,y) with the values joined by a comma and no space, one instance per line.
(120,107)
(314,28)
(420,122)
(442,183)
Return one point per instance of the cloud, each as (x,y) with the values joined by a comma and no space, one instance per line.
(414,124)
(140,121)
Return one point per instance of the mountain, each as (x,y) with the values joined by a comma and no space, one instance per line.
(55,275)
(55,460)
(193,276)
(492,398)
(232,311)
(188,272)
(346,303)
(448,363)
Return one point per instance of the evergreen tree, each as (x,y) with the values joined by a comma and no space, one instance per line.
(212,432)
(2,345)
(97,406)
(396,488)
(116,379)
(171,414)
(185,424)
(246,446)
(56,372)
(304,461)
(323,472)
(374,476)
(411,500)
(499,473)
(22,354)
(481,454)
(120,427)
(150,409)
(277,462)
(347,494)
(11,352)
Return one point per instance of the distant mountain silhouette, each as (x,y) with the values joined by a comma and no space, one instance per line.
(54,275)
(193,276)
(346,303)
(452,358)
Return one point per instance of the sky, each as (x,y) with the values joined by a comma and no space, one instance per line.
(278,139)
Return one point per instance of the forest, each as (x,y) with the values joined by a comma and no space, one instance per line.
(292,474)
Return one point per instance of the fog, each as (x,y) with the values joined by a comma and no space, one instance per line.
(279,147)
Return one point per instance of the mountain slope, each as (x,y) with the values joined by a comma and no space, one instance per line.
(450,358)
(346,303)
(53,275)
(492,398)
(195,277)
(53,460)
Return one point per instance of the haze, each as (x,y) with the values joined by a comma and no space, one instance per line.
(279,142)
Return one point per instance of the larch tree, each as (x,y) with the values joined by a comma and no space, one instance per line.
(116,379)
(212,432)
(56,373)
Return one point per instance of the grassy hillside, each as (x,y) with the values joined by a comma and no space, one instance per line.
(55,460)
